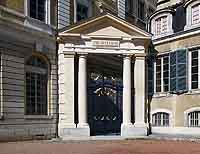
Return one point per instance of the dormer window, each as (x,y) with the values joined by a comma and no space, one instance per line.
(192,14)
(161,25)
(196,14)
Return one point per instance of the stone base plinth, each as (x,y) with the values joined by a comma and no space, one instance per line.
(74,132)
(133,131)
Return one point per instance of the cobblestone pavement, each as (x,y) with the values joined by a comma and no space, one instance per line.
(102,147)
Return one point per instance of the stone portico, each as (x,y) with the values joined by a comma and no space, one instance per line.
(104,35)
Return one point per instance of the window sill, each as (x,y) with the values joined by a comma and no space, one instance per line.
(162,35)
(189,27)
(38,25)
(193,92)
(38,117)
(162,94)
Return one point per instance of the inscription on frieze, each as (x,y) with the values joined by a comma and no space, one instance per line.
(105,43)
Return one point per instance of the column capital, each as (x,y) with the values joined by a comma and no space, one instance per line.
(127,56)
(82,55)
(69,55)
(140,55)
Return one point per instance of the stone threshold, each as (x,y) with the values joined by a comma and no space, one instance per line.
(120,138)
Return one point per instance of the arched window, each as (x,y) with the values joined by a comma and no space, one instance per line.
(160,119)
(194,119)
(196,14)
(192,14)
(36,86)
(161,25)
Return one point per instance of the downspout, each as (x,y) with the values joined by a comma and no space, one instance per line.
(57,106)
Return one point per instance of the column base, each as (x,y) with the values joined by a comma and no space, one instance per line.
(83,130)
(66,129)
(69,131)
(130,130)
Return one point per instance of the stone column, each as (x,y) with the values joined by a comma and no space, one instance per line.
(126,123)
(139,85)
(66,125)
(82,96)
(127,91)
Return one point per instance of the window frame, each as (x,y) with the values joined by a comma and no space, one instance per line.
(48,94)
(186,118)
(157,15)
(162,89)
(161,112)
(161,25)
(47,10)
(197,5)
(194,119)
(189,5)
(190,88)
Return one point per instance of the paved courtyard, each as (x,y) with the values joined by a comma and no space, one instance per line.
(101,147)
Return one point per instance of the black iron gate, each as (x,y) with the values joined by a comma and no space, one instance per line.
(105,104)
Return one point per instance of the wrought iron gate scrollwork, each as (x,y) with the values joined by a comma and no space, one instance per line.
(105,104)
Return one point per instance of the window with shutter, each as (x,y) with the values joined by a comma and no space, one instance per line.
(178,70)
(150,63)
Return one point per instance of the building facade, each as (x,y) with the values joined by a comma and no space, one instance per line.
(28,69)
(174,98)
(102,78)
(100,55)
(135,12)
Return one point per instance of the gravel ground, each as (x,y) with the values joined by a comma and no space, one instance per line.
(101,147)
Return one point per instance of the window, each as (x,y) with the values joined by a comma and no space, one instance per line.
(160,119)
(36,86)
(158,74)
(166,73)
(178,71)
(141,11)
(82,11)
(162,73)
(194,70)
(38,9)
(196,14)
(161,25)
(171,72)
(194,119)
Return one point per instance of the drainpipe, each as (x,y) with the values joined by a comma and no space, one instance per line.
(57,106)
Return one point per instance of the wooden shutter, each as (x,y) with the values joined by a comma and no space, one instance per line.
(178,71)
(173,72)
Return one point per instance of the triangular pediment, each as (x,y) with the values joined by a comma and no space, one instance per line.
(107,25)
